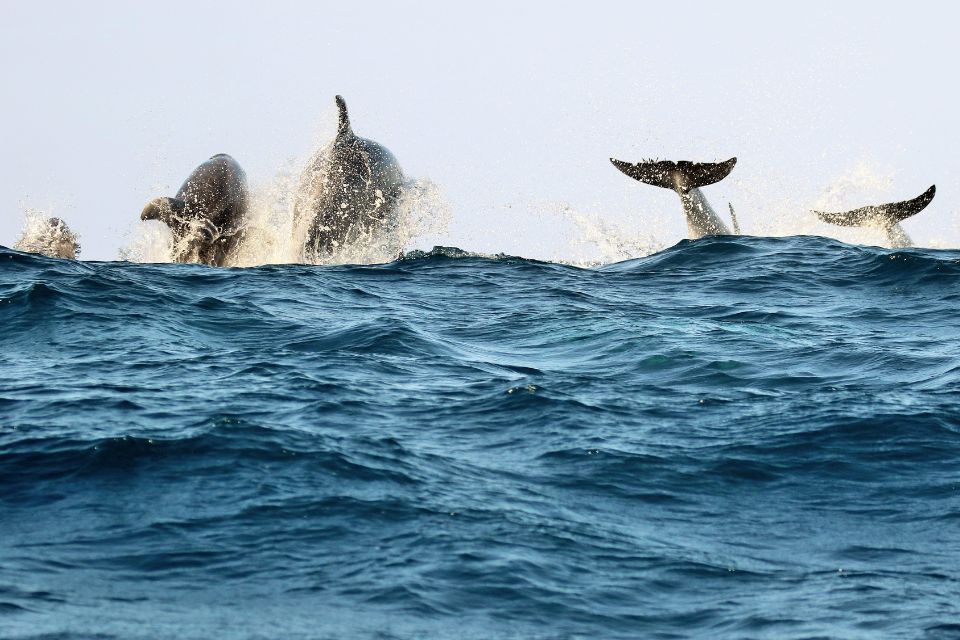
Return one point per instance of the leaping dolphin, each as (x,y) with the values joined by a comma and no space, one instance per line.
(207,214)
(885,216)
(348,191)
(686,178)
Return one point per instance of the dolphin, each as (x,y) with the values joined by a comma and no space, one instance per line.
(348,191)
(51,237)
(885,216)
(686,178)
(207,214)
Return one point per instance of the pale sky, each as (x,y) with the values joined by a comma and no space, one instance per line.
(512,109)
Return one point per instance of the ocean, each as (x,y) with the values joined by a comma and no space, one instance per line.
(737,437)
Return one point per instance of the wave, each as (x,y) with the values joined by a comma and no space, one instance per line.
(482,444)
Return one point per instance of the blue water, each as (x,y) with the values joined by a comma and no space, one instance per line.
(734,438)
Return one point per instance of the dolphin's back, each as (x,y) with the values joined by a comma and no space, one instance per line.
(347,191)
(216,191)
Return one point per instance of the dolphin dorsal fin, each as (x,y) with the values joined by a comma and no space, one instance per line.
(733,217)
(343,125)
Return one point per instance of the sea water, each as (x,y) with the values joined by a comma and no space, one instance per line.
(736,437)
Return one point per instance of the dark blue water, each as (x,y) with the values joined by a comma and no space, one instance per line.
(737,437)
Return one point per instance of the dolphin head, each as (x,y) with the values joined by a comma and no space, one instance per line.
(163,209)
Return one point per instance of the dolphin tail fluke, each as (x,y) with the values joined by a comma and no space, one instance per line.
(680,176)
(343,124)
(883,215)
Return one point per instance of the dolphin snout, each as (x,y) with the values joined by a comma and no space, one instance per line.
(151,211)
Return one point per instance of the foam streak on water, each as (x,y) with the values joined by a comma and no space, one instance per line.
(735,437)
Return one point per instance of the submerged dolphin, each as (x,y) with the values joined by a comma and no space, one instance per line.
(885,216)
(348,191)
(207,214)
(51,237)
(686,178)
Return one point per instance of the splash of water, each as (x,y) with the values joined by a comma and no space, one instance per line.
(270,237)
(854,188)
(150,241)
(48,236)
(599,241)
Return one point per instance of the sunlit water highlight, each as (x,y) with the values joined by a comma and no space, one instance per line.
(735,437)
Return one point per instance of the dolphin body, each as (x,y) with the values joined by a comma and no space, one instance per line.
(347,193)
(686,178)
(885,216)
(207,215)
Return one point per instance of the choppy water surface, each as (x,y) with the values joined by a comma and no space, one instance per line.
(737,437)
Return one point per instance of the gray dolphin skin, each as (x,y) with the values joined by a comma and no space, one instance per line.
(348,191)
(207,214)
(686,178)
(55,240)
(885,216)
